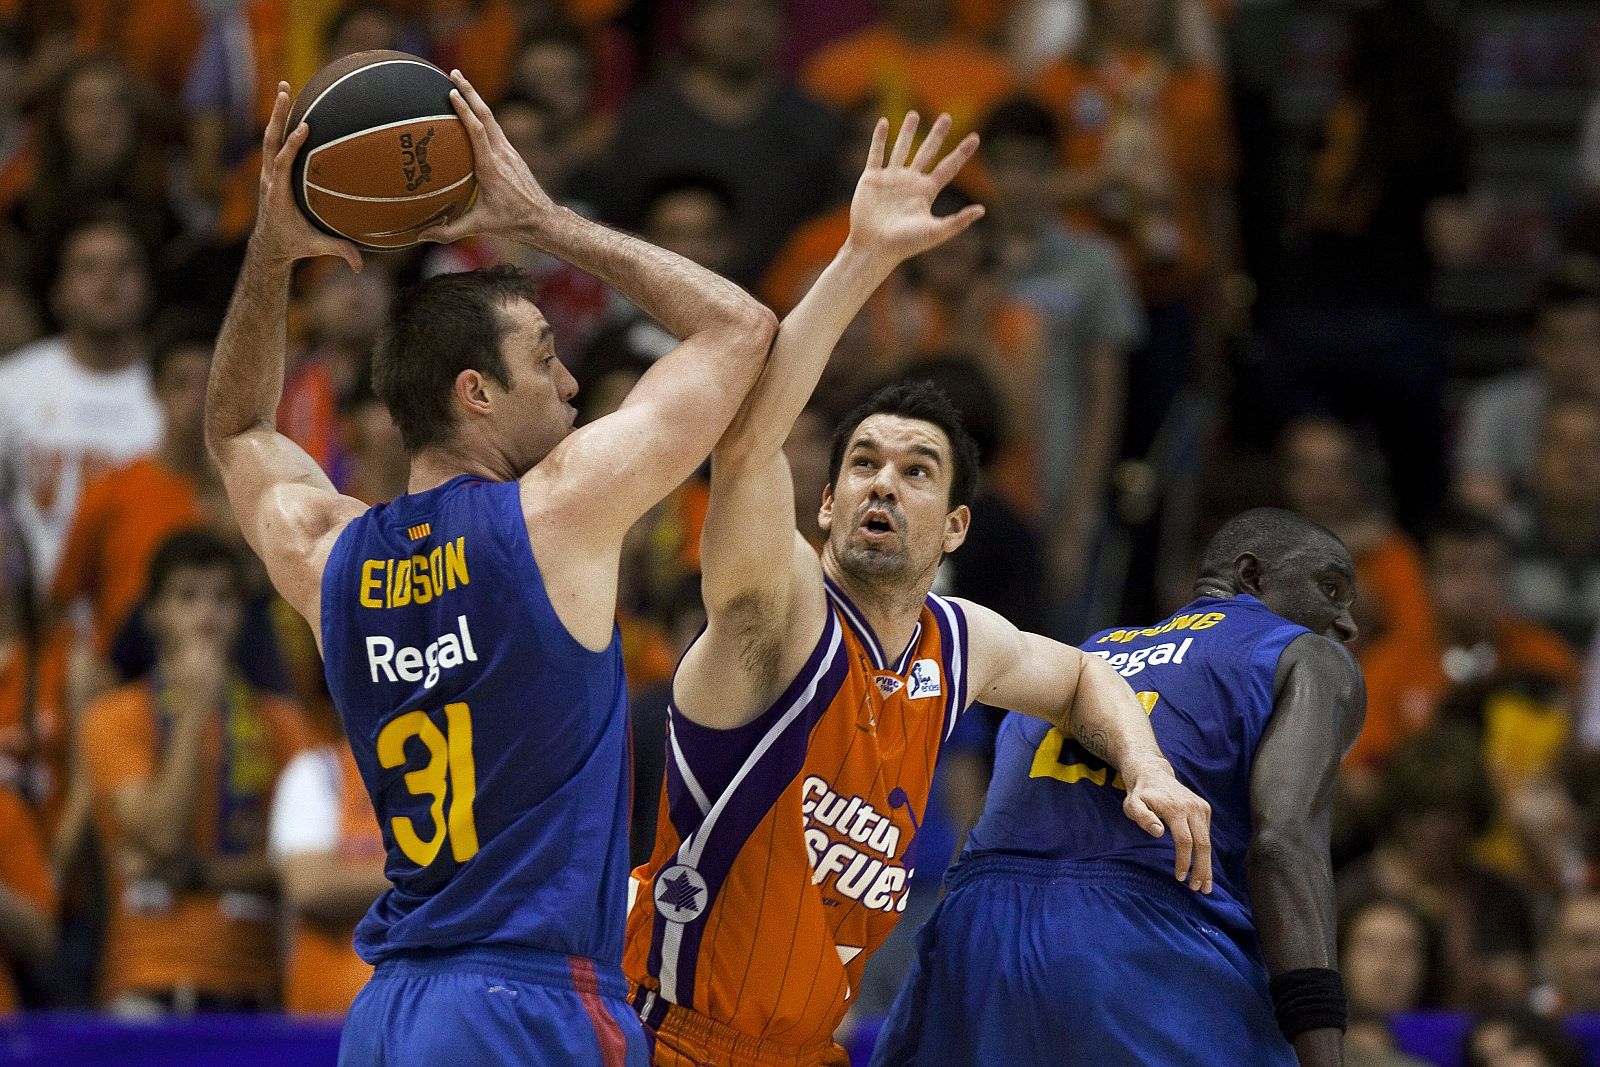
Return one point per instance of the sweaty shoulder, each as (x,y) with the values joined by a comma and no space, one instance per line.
(1328,662)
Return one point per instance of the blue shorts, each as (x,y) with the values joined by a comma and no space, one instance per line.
(1050,962)
(491,1006)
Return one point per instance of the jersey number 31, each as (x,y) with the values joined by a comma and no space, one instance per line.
(449,772)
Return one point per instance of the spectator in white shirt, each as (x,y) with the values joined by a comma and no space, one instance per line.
(81,401)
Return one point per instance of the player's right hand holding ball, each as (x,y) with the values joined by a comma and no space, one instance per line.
(511,202)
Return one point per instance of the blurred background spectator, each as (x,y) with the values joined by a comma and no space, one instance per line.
(1331,253)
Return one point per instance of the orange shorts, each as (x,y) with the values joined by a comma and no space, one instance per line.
(688,1039)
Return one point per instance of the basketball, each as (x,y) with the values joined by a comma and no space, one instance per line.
(386,156)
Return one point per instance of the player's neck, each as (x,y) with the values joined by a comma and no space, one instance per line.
(891,611)
(432,467)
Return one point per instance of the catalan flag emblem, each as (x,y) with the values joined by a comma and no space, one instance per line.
(419,531)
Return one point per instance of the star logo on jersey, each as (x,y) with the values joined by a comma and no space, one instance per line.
(924,680)
(681,894)
(888,684)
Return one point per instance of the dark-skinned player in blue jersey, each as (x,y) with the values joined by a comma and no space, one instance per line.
(1063,938)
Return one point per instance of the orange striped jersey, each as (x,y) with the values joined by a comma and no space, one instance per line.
(781,845)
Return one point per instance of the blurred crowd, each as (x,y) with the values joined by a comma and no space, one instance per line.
(1237,252)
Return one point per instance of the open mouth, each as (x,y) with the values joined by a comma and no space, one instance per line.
(877,521)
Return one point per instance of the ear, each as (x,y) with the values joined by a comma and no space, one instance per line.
(825,513)
(473,391)
(1247,574)
(956,525)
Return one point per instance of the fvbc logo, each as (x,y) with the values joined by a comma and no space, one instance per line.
(414,160)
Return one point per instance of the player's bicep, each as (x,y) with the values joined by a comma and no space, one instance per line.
(1318,711)
(287,509)
(1020,671)
(749,532)
(608,474)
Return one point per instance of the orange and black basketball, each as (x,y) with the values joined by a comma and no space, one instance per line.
(387,157)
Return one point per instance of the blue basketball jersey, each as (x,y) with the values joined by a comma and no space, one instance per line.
(493,745)
(1205,676)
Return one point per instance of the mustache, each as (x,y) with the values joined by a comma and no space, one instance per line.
(892,510)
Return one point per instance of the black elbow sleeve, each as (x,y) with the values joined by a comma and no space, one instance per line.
(1309,998)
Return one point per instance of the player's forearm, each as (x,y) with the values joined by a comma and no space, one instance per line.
(1291,886)
(1107,719)
(684,297)
(805,342)
(247,371)
(1291,889)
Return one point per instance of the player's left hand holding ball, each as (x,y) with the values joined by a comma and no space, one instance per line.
(282,233)
(511,202)
(1155,796)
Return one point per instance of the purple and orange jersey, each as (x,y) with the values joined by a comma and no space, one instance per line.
(781,846)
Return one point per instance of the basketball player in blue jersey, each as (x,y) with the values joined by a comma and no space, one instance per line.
(1061,942)
(468,626)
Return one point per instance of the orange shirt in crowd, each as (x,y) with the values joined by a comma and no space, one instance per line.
(804,256)
(122,519)
(951,74)
(1391,590)
(1190,122)
(267,21)
(1406,680)
(24,870)
(50,719)
(308,414)
(323,973)
(218,943)
(1017,338)
(157,39)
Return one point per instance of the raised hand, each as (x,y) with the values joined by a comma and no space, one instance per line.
(282,232)
(510,200)
(891,215)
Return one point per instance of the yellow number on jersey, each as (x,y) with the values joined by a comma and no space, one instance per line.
(1047,757)
(449,763)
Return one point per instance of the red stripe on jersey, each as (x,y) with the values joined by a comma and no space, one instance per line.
(613,1045)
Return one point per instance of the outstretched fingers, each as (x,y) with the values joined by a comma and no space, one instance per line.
(902,143)
(951,164)
(951,225)
(928,151)
(272,139)
(880,138)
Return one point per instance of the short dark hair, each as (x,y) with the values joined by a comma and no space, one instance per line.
(107,215)
(1020,119)
(1460,523)
(972,392)
(438,328)
(194,548)
(689,181)
(924,402)
(1268,534)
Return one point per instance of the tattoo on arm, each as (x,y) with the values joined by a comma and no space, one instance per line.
(1095,741)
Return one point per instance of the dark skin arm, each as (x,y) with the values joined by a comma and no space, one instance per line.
(1317,712)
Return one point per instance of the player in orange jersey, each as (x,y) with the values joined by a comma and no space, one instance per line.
(806,720)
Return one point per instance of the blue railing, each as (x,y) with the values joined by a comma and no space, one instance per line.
(64,1040)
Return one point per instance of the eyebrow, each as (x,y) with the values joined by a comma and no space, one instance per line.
(545,333)
(917,450)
